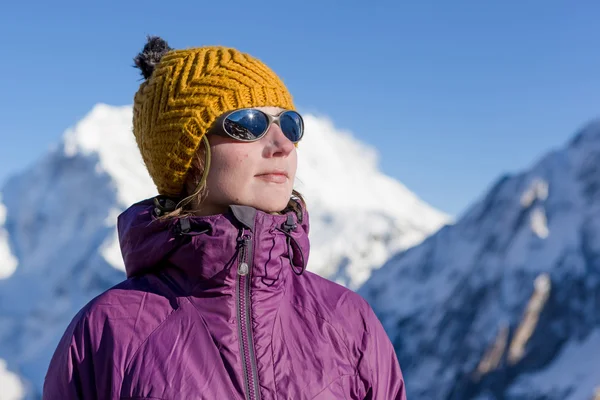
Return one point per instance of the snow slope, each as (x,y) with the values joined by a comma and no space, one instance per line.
(11,386)
(9,262)
(58,244)
(505,303)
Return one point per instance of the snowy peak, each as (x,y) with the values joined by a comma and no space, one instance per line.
(500,304)
(106,133)
(100,131)
(358,214)
(342,173)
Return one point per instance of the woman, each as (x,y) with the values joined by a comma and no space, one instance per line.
(217,304)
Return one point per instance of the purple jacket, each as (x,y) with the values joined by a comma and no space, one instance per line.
(221,307)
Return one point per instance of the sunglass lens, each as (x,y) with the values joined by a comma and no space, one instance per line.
(292,125)
(246,124)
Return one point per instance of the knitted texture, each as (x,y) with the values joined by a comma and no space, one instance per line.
(187,91)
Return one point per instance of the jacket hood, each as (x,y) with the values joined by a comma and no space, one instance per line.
(147,241)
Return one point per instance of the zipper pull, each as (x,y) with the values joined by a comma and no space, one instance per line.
(243,267)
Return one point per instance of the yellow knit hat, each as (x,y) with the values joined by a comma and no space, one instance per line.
(185,91)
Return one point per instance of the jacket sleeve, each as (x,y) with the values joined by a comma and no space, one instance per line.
(80,367)
(379,366)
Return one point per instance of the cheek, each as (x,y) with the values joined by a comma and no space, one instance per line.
(227,157)
(229,170)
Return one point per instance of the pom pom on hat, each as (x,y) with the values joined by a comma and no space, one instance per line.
(151,55)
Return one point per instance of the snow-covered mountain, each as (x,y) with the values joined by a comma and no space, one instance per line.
(505,303)
(58,243)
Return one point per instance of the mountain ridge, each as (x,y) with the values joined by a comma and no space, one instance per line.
(506,292)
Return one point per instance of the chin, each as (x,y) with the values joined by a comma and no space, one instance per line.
(271,205)
(271,208)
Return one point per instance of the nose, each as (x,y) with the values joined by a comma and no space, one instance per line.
(278,145)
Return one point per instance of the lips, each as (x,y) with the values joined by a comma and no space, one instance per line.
(274,176)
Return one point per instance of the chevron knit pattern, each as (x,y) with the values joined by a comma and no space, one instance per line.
(188,90)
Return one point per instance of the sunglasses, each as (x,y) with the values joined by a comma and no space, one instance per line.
(250,124)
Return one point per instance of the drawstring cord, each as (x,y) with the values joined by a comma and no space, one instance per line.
(289,240)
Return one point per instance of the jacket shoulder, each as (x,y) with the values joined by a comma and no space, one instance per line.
(134,307)
(94,350)
(110,328)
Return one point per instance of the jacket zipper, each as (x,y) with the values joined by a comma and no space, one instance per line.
(243,314)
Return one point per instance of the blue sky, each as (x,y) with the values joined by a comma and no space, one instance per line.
(452,94)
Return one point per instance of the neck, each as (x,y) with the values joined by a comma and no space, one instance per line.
(203,208)
(207,209)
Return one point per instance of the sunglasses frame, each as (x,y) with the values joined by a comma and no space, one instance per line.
(270,118)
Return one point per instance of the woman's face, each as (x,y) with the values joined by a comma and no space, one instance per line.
(258,174)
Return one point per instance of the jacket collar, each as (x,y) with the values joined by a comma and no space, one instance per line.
(209,250)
